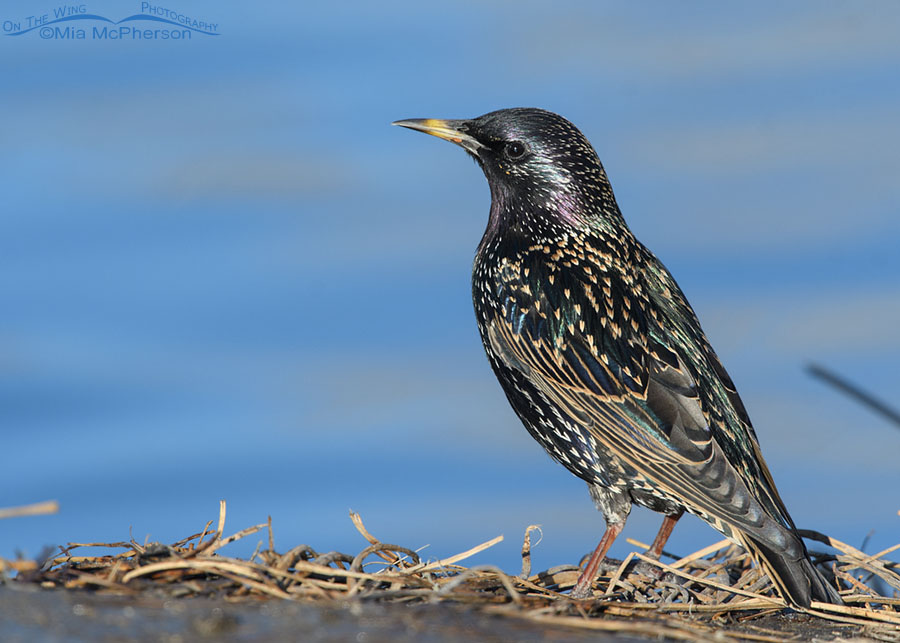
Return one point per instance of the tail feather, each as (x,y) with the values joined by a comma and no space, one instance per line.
(798,581)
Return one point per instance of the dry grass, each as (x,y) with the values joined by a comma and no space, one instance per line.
(712,593)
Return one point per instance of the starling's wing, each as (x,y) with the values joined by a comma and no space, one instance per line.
(753,462)
(676,328)
(585,348)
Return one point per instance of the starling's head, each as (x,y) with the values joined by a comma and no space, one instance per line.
(537,163)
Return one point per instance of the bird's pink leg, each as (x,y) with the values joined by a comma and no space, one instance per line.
(586,580)
(665,531)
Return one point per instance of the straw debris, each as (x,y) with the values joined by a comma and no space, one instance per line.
(714,593)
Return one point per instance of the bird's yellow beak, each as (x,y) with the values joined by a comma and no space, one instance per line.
(449,130)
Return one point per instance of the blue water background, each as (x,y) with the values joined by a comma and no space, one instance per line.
(224,275)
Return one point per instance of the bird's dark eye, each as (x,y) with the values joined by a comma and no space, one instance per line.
(515,150)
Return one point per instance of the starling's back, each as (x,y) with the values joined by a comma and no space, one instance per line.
(600,354)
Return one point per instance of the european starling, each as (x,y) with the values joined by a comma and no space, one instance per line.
(602,357)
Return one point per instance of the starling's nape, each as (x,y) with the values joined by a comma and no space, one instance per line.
(602,357)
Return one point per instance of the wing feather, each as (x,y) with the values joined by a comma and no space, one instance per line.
(631,391)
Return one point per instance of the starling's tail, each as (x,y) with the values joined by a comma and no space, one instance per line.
(792,572)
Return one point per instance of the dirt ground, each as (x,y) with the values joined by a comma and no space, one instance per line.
(28,613)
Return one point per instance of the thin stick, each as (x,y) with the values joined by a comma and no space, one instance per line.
(36,509)
(615,577)
(421,568)
(820,609)
(387,556)
(706,551)
(882,554)
(834,542)
(243,532)
(647,629)
(855,392)
(526,549)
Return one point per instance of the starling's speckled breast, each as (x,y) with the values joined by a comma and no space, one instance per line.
(554,292)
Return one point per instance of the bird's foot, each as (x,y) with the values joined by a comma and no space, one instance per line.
(584,586)
(647,569)
(582,591)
